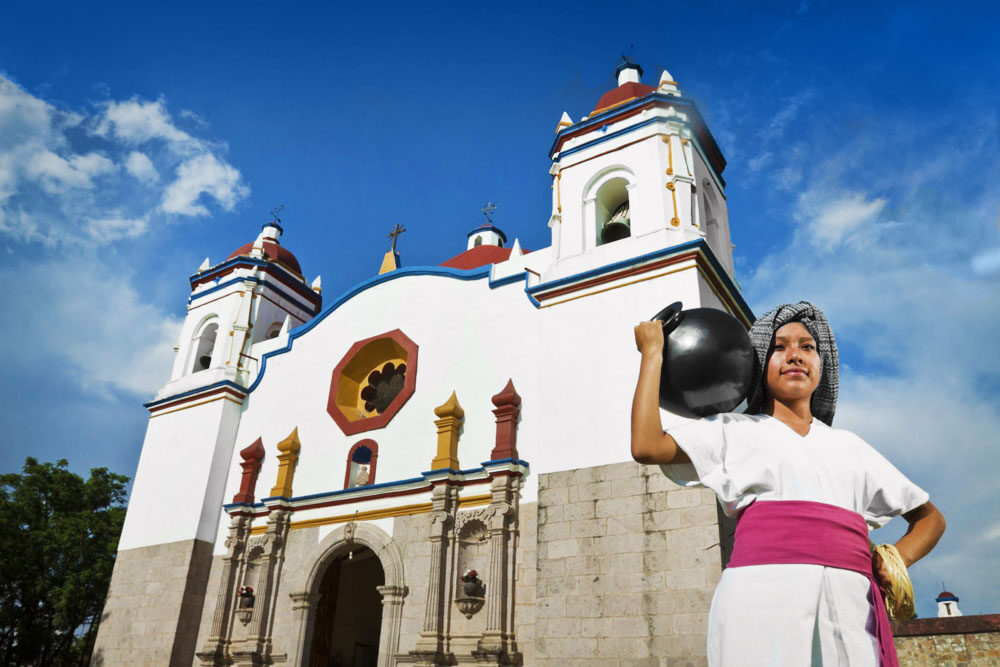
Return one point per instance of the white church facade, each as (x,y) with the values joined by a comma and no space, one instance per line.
(317,480)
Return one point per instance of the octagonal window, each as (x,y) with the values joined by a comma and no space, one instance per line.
(372,382)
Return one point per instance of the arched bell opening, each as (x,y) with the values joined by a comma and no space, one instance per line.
(203,346)
(348,612)
(613,212)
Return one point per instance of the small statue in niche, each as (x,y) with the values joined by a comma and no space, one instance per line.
(246,597)
(361,479)
(472,584)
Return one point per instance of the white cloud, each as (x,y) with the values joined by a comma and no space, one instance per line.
(141,167)
(203,175)
(775,128)
(86,317)
(106,230)
(59,167)
(760,161)
(57,174)
(135,121)
(830,220)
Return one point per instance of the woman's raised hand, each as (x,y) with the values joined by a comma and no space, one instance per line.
(649,338)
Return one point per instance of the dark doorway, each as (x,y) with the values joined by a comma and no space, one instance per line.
(349,612)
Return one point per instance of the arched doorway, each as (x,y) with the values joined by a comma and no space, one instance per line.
(349,611)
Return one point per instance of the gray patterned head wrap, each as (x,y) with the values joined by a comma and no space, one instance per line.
(824,399)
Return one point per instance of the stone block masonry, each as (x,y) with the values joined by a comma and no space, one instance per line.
(949,642)
(154,605)
(626,565)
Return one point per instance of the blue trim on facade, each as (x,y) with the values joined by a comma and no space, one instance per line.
(192,392)
(697,244)
(519,462)
(612,135)
(458,274)
(311,307)
(306,293)
(686,106)
(383,485)
(500,282)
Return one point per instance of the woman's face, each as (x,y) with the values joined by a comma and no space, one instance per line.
(793,371)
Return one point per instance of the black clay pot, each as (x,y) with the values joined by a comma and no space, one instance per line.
(707,361)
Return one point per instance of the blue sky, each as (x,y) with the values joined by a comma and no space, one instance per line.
(864,154)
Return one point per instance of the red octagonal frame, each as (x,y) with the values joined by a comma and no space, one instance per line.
(352,426)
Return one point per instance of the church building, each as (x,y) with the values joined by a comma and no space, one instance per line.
(433,468)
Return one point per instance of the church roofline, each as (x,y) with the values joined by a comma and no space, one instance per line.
(699,245)
(459,274)
(702,135)
(216,272)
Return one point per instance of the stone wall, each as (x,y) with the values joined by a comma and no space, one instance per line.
(627,563)
(949,641)
(154,605)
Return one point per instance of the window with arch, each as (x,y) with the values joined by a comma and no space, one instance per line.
(478,242)
(361,461)
(273,330)
(203,345)
(614,221)
(711,225)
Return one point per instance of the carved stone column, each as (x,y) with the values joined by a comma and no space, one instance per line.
(303,603)
(213,652)
(392,610)
(256,648)
(495,640)
(430,648)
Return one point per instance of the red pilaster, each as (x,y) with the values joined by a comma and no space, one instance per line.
(508,404)
(252,457)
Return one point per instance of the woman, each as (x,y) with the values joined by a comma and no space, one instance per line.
(794,592)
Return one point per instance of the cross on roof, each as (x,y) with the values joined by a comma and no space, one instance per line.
(488,211)
(275,212)
(394,234)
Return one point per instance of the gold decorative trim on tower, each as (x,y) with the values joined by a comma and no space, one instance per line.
(287,458)
(450,418)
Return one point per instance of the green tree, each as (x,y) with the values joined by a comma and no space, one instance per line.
(58,538)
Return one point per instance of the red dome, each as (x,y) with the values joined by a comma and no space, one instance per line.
(479,256)
(947,594)
(273,252)
(622,93)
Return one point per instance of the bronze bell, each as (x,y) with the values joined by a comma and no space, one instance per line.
(618,226)
(615,231)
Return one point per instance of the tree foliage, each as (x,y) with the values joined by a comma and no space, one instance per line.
(58,538)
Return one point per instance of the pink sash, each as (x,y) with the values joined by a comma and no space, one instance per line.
(794,531)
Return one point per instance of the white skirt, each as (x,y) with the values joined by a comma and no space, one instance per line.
(792,615)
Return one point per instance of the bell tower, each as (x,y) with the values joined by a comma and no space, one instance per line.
(639,173)
(237,310)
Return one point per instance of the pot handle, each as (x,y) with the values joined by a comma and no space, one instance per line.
(671,316)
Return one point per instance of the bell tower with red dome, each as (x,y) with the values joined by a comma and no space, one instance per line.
(238,310)
(639,173)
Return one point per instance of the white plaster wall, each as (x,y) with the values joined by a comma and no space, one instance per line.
(472,339)
(177,490)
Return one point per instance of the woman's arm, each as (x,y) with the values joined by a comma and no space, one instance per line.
(926,527)
(649,443)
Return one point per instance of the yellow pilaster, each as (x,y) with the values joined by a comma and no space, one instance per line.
(289,456)
(450,417)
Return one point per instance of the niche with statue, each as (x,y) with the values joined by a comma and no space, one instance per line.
(473,562)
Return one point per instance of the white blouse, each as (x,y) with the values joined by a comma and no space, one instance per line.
(791,614)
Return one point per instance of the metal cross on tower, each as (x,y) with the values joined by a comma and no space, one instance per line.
(488,211)
(394,234)
(275,212)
